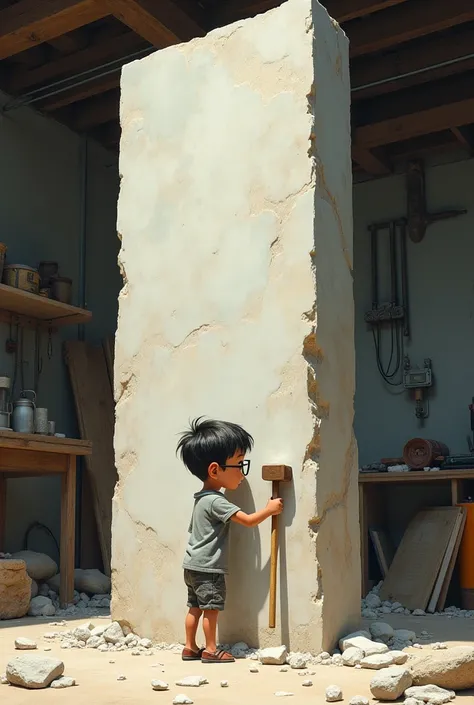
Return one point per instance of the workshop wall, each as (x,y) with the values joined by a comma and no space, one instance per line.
(40,207)
(441,290)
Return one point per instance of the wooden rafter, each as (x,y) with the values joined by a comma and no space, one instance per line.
(424,122)
(31,22)
(161,23)
(340,10)
(413,59)
(370,162)
(401,24)
(345,10)
(465,137)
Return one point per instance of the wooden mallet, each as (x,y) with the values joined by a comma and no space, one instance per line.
(277,474)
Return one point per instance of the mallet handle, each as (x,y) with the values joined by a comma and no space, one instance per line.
(273,560)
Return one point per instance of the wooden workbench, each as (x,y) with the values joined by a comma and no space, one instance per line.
(372,509)
(24,455)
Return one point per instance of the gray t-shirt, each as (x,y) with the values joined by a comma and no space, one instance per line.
(209,532)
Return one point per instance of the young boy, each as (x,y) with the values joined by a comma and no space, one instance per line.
(214,451)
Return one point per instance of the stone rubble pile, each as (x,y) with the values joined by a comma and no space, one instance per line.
(110,637)
(373,607)
(36,588)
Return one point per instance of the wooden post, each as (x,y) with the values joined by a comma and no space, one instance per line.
(273,560)
(68,520)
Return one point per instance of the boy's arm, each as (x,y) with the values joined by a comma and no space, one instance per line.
(274,506)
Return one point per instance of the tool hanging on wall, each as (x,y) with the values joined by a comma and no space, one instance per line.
(393,314)
(418,217)
(418,380)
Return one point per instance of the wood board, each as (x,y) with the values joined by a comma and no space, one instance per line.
(449,573)
(96,417)
(415,567)
(383,550)
(446,561)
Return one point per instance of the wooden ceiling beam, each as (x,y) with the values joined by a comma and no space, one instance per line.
(370,162)
(443,117)
(32,22)
(415,59)
(340,10)
(102,51)
(397,25)
(465,137)
(346,10)
(161,23)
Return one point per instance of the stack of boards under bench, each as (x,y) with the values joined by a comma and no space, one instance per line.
(421,570)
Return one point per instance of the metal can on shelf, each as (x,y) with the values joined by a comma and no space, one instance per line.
(22,277)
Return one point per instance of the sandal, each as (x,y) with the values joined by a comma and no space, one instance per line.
(189,655)
(219,656)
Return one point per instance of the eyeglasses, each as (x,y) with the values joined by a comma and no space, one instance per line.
(244,467)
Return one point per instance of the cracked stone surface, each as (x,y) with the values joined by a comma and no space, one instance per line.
(235,218)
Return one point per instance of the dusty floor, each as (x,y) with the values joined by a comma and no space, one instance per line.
(98,685)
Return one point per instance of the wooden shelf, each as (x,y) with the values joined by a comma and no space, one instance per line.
(31,308)
(416,476)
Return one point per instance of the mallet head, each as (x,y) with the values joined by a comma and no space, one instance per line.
(277,473)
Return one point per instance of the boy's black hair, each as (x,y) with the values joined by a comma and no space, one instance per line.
(209,441)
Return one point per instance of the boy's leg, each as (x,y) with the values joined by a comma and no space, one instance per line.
(191,625)
(209,624)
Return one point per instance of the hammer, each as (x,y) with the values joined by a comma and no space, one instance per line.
(277,474)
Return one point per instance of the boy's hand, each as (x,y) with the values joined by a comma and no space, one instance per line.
(275,506)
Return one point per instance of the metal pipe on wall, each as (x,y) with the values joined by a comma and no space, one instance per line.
(81,300)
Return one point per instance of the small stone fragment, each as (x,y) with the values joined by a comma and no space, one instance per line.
(253,669)
(224,684)
(333,694)
(182,700)
(352,656)
(34,672)
(192,681)
(63,682)
(82,633)
(430,694)
(24,644)
(239,650)
(274,655)
(41,607)
(159,685)
(399,657)
(95,641)
(307,684)
(390,683)
(381,630)
(298,661)
(113,633)
(4,680)
(368,646)
(419,613)
(405,635)
(359,700)
(283,694)
(377,661)
(145,643)
(124,678)
(283,669)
